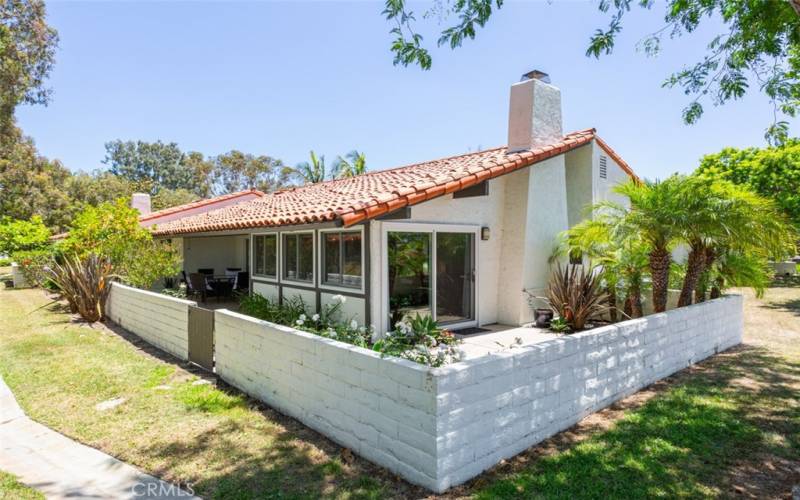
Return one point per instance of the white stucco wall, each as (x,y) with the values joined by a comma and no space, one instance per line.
(217,252)
(158,319)
(354,308)
(579,183)
(266,290)
(603,188)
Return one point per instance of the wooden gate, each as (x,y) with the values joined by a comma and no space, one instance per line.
(201,337)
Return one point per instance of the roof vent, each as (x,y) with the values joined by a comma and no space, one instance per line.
(536,75)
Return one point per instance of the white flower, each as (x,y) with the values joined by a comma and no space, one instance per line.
(354,325)
(340,298)
(315,317)
(300,321)
(303,317)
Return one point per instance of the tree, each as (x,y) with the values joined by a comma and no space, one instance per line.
(772,172)
(719,218)
(237,171)
(22,235)
(353,163)
(622,258)
(151,165)
(112,230)
(33,185)
(314,171)
(759,47)
(653,215)
(27,55)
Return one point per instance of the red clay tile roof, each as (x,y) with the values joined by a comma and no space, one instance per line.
(375,193)
(197,204)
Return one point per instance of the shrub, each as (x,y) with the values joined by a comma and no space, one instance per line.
(22,235)
(84,283)
(33,265)
(112,230)
(5,261)
(420,340)
(576,295)
(178,293)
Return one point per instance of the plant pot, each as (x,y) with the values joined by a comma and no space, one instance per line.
(542,317)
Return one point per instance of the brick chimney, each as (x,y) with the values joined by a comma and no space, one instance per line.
(141,202)
(534,115)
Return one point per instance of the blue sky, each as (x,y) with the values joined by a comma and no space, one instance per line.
(282,78)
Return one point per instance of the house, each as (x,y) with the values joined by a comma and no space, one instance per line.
(458,238)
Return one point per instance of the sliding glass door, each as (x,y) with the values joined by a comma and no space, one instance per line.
(431,272)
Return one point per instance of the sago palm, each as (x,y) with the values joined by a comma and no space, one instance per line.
(353,164)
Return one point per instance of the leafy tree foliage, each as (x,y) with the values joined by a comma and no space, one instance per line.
(772,172)
(237,171)
(27,54)
(32,185)
(112,230)
(22,235)
(759,47)
(155,165)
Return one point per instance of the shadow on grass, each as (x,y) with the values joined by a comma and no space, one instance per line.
(786,282)
(792,306)
(700,437)
(295,463)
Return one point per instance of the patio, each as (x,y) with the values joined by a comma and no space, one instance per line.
(500,337)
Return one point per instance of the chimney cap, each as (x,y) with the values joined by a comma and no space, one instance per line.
(536,75)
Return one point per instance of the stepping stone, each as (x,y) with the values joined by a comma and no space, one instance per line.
(111,403)
(201,382)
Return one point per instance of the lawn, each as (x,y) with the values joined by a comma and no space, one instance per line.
(12,489)
(729,425)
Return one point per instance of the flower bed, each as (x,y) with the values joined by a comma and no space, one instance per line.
(418,339)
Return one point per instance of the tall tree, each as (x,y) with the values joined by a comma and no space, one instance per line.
(237,171)
(353,163)
(760,46)
(27,55)
(772,172)
(314,171)
(31,184)
(151,165)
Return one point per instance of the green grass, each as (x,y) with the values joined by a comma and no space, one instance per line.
(709,435)
(706,434)
(12,489)
(220,442)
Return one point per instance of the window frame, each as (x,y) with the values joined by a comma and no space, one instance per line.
(253,256)
(334,286)
(282,258)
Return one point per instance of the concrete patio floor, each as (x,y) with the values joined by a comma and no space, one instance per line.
(501,338)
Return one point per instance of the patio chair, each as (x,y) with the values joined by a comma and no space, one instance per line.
(198,287)
(207,271)
(233,272)
(243,281)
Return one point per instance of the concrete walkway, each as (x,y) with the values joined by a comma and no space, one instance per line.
(62,468)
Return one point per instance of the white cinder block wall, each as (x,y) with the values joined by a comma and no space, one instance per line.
(440,427)
(158,319)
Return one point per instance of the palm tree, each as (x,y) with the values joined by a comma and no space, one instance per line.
(312,172)
(621,257)
(725,221)
(353,163)
(653,216)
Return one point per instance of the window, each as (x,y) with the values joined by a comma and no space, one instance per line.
(265,255)
(298,256)
(603,167)
(341,255)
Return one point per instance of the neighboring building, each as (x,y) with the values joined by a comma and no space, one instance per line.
(458,238)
